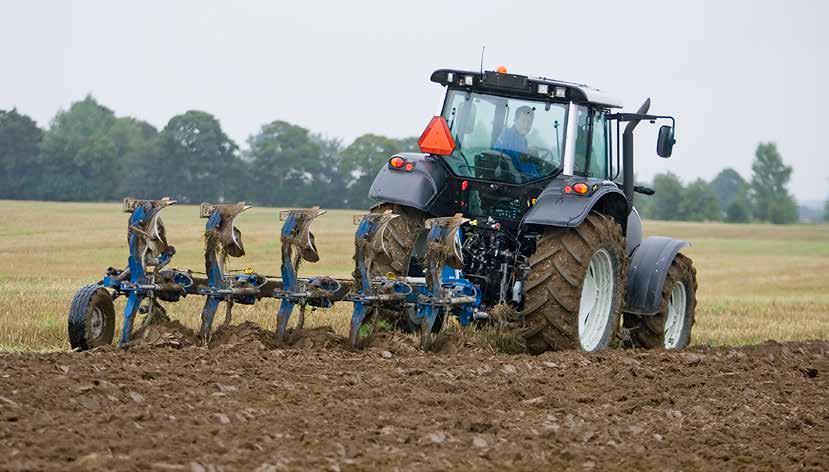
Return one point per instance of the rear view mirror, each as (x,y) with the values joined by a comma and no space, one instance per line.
(665,142)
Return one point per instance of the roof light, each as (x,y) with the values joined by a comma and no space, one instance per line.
(436,138)
(450,76)
(581,188)
(560,92)
(543,89)
(501,70)
(468,80)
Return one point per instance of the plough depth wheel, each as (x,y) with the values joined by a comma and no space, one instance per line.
(91,318)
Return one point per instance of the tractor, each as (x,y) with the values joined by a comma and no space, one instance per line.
(550,231)
(513,214)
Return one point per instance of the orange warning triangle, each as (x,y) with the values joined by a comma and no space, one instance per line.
(436,138)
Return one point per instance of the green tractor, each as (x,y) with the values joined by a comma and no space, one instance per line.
(549,237)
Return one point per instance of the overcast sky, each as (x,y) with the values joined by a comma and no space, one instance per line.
(733,73)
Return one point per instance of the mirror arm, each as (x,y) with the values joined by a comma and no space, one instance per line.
(625,117)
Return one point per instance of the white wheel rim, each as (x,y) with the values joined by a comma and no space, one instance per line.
(675,319)
(596,304)
(97,323)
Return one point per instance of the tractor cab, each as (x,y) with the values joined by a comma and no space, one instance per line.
(512,129)
(512,135)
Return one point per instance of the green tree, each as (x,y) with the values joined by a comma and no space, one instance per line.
(728,184)
(19,141)
(645,205)
(772,201)
(78,156)
(668,197)
(408,144)
(330,178)
(360,163)
(826,211)
(739,210)
(286,165)
(137,145)
(699,203)
(199,162)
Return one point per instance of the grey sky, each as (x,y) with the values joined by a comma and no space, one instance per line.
(733,73)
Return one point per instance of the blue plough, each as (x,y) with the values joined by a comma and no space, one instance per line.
(426,300)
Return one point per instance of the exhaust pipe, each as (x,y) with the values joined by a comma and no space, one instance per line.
(627,154)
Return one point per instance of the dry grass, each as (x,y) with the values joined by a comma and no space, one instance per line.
(757,282)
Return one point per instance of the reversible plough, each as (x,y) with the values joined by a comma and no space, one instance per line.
(148,279)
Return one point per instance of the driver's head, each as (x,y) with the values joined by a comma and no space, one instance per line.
(524,119)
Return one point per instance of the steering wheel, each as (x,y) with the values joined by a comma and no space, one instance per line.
(502,162)
(541,157)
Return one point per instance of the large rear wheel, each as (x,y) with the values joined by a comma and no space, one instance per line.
(671,327)
(576,286)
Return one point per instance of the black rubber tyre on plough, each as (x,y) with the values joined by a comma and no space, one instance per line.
(91,318)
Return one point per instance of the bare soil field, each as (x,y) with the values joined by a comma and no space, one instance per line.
(244,405)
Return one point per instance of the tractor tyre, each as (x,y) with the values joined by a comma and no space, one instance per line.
(400,238)
(671,327)
(91,318)
(575,287)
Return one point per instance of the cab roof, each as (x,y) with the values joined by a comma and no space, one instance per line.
(523,86)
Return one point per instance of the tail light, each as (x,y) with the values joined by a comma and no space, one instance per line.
(400,163)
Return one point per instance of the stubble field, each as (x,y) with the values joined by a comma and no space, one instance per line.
(756,282)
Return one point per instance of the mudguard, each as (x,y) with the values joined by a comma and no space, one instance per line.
(416,189)
(556,208)
(648,269)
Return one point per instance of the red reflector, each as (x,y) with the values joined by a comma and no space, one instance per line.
(409,166)
(436,138)
(397,162)
(568,189)
(581,188)
(464,185)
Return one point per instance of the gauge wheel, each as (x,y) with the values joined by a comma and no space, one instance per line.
(91,318)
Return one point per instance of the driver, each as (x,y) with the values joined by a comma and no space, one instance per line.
(513,140)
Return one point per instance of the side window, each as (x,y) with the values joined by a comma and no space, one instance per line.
(582,134)
(598,146)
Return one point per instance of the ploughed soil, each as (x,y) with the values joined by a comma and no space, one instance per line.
(244,404)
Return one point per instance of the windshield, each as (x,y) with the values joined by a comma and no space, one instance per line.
(504,139)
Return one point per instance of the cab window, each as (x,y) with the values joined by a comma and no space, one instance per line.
(598,146)
(592,142)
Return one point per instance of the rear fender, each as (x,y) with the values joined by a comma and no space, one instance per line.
(648,269)
(417,189)
(554,207)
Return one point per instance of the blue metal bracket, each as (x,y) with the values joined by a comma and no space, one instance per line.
(148,247)
(298,245)
(222,240)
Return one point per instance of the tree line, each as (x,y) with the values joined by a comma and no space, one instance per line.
(728,197)
(89,154)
